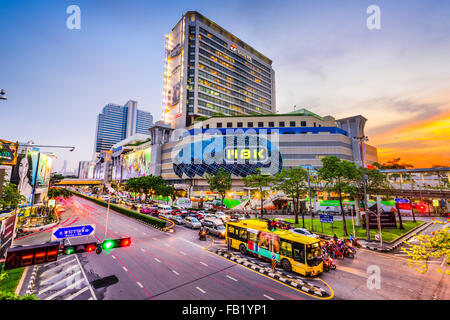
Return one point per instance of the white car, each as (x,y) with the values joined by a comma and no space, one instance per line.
(304,232)
(192,223)
(221,215)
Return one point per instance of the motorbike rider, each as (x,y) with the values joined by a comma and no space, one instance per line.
(202,233)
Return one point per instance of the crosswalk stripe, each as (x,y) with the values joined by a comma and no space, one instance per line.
(78,293)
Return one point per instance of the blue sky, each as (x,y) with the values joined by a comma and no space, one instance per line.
(58,80)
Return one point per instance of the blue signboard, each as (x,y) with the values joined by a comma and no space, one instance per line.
(72,232)
(401,200)
(326,218)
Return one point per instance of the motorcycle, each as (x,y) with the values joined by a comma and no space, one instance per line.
(328,263)
(356,243)
(202,235)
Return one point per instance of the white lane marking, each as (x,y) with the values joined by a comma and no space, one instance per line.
(78,293)
(143,250)
(183,253)
(157,260)
(167,245)
(66,288)
(59,282)
(203,263)
(125,269)
(154,239)
(45,272)
(58,274)
(175,272)
(113,257)
(91,298)
(231,278)
(140,285)
(192,243)
(268,297)
(200,289)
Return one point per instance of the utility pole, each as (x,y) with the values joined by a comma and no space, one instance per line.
(361,140)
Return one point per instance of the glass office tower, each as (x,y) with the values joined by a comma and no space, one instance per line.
(117,123)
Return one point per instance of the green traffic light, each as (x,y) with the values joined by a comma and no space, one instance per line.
(70,250)
(108,244)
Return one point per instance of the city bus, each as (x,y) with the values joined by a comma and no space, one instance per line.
(294,252)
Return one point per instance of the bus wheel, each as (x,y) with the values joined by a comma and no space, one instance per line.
(243,249)
(286,265)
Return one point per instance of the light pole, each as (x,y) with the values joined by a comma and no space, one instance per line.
(361,140)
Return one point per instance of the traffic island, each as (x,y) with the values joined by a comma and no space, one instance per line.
(290,280)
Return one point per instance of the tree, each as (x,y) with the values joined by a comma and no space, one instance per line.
(292,182)
(220,182)
(260,182)
(10,197)
(435,245)
(55,178)
(339,176)
(375,181)
(166,190)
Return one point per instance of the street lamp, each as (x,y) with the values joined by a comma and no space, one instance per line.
(361,140)
(3,95)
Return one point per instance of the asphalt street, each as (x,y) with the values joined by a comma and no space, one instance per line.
(177,266)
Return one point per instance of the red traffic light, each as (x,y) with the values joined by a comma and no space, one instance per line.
(80,248)
(116,243)
(125,242)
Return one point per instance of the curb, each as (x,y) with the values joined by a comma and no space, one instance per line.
(400,241)
(280,276)
(30,288)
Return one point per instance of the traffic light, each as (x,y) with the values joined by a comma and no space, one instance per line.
(83,247)
(31,255)
(116,243)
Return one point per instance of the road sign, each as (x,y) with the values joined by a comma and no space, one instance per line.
(326,218)
(401,200)
(72,232)
(30,255)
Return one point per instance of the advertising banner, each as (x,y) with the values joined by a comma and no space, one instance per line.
(8,153)
(136,164)
(173,73)
(24,173)
(43,171)
(7,228)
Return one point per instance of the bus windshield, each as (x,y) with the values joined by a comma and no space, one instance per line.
(313,254)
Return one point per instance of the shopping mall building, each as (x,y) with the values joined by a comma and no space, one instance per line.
(219,112)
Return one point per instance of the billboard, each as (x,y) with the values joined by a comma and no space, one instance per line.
(7,227)
(136,164)
(43,171)
(8,153)
(173,74)
(24,173)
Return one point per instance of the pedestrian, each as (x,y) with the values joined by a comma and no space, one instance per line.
(335,238)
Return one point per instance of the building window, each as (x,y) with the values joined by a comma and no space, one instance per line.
(303,123)
(260,124)
(281,124)
(271,124)
(239,124)
(219,124)
(207,126)
(314,124)
(292,124)
(250,125)
(229,124)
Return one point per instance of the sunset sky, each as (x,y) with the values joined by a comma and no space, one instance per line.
(324,56)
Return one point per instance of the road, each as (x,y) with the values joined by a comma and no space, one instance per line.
(160,265)
(157,265)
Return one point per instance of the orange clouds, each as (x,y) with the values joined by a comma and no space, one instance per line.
(421,143)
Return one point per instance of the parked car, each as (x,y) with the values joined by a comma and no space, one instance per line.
(177,219)
(145,210)
(236,217)
(304,232)
(192,223)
